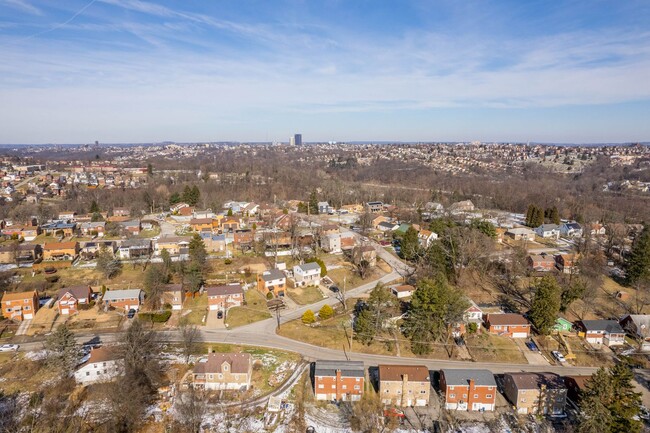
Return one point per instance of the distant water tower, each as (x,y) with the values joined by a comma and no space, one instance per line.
(296,140)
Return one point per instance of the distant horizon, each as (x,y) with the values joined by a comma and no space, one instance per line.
(143,70)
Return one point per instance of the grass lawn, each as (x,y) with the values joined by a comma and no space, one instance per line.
(254,310)
(352,279)
(198,307)
(485,347)
(305,295)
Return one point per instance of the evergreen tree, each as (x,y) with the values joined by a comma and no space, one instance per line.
(229,213)
(187,194)
(197,252)
(410,244)
(364,329)
(175,198)
(149,169)
(326,312)
(434,308)
(538,217)
(529,214)
(62,350)
(94,207)
(638,264)
(485,227)
(555,215)
(313,203)
(546,305)
(167,259)
(195,195)
(308,317)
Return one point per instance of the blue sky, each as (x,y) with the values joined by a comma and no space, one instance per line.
(212,70)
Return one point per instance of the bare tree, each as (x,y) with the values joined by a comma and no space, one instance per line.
(190,336)
(191,408)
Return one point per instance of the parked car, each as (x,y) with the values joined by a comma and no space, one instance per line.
(532,346)
(334,289)
(557,355)
(131,313)
(219,314)
(9,347)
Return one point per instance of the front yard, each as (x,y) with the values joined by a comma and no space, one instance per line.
(195,310)
(254,310)
(305,295)
(485,347)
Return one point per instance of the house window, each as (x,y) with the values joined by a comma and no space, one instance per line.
(344,387)
(225,368)
(475,395)
(488,395)
(357,387)
(452,395)
(464,395)
(333,386)
(451,388)
(387,391)
(423,392)
(27,307)
(210,376)
(321,386)
(399,392)
(220,376)
(88,373)
(490,388)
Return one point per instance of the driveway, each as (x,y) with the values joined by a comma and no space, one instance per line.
(533,358)
(212,322)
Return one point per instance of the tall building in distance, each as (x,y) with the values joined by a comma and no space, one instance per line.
(296,140)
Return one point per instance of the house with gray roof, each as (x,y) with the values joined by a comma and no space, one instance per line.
(468,389)
(339,380)
(607,332)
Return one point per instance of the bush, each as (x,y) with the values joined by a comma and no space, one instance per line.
(323,268)
(308,317)
(167,306)
(269,295)
(472,328)
(52,279)
(227,261)
(158,317)
(325,312)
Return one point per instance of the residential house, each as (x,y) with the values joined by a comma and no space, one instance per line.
(571,230)
(102,364)
(250,209)
(521,234)
(638,326)
(307,274)
(60,250)
(566,263)
(59,228)
(331,243)
(468,389)
(508,325)
(273,280)
(215,243)
(244,238)
(425,237)
(541,262)
(223,371)
(348,243)
(89,250)
(19,253)
(536,393)
(93,228)
(134,248)
(122,212)
(576,385)
(19,306)
(67,215)
(404,385)
(473,314)
(177,207)
(562,325)
(70,298)
(374,206)
(387,227)
(27,233)
(173,294)
(364,252)
(402,291)
(329,229)
(175,245)
(324,207)
(201,224)
(224,297)
(201,214)
(462,206)
(123,299)
(339,380)
(607,332)
(596,229)
(548,231)
(132,227)
(229,224)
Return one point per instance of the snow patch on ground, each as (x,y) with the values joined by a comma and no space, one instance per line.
(37,355)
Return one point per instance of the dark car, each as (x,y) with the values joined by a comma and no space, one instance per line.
(334,289)
(131,313)
(219,314)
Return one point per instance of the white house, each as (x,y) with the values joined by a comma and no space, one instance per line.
(331,243)
(124,299)
(100,365)
(473,314)
(521,234)
(571,230)
(307,274)
(548,231)
(425,237)
(402,291)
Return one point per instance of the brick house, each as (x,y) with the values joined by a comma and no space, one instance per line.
(404,385)
(90,228)
(230,224)
(339,380)
(124,299)
(541,262)
(173,244)
(364,252)
(224,297)
(19,253)
(244,238)
(468,389)
(607,332)
(173,294)
(201,224)
(229,371)
(508,325)
(61,251)
(70,298)
(566,263)
(20,306)
(121,211)
(536,393)
(576,385)
(273,280)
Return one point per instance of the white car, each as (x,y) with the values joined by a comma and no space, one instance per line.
(9,348)
(557,355)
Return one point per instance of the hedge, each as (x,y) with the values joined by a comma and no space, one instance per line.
(160,317)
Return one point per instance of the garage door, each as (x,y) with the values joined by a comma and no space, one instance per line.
(519,335)
(214,307)
(65,311)
(28,316)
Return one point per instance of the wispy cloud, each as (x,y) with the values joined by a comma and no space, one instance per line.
(23,6)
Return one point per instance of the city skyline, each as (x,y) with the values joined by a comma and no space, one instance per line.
(138,71)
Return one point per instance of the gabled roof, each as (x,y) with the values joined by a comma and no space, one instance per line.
(507,319)
(537,380)
(18,296)
(310,267)
(114,295)
(548,227)
(609,326)
(101,354)
(60,246)
(225,290)
(348,368)
(239,363)
(78,292)
(135,243)
(415,373)
(461,377)
(273,274)
(403,288)
(172,287)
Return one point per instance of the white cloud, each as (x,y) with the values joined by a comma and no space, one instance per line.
(23,6)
